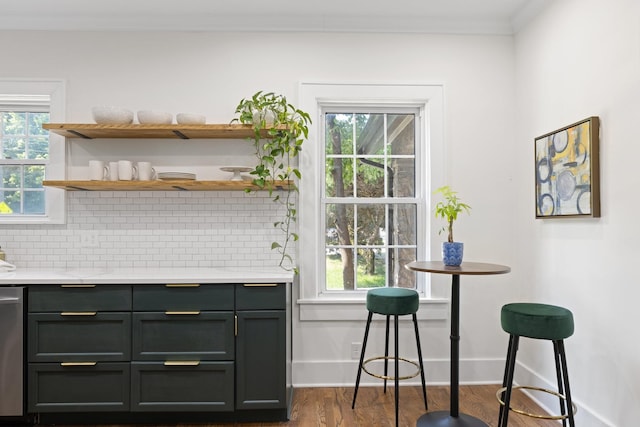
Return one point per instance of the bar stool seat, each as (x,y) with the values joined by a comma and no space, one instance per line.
(391,302)
(537,321)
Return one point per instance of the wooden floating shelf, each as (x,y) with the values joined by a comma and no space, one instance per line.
(95,131)
(159,185)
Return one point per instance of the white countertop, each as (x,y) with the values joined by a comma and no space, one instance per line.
(144,275)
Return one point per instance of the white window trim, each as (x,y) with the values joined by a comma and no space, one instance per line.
(429,98)
(55,199)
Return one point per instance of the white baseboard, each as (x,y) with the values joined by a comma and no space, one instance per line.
(342,373)
(584,417)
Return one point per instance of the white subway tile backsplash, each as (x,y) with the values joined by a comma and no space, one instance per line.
(152,229)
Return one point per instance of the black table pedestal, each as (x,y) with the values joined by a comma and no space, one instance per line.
(444,419)
(453,417)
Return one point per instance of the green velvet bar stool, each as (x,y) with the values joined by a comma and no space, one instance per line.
(391,302)
(543,322)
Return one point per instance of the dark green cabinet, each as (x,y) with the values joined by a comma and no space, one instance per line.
(183,348)
(60,337)
(143,352)
(183,297)
(262,381)
(185,336)
(79,298)
(78,347)
(182,386)
(261,377)
(79,387)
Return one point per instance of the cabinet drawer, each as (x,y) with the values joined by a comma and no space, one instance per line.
(55,337)
(184,336)
(102,387)
(255,296)
(182,297)
(54,298)
(200,386)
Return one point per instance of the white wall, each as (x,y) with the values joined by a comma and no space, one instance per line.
(210,72)
(582,58)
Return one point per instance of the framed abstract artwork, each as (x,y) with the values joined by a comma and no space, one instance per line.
(567,171)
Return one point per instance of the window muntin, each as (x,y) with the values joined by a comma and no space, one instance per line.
(24,153)
(370,204)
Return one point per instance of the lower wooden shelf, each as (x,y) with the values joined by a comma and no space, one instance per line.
(159,185)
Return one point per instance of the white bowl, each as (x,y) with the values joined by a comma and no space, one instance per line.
(190,119)
(147,117)
(105,115)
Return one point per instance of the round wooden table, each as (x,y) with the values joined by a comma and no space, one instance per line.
(453,417)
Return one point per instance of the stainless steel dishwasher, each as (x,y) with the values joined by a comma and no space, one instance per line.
(11,352)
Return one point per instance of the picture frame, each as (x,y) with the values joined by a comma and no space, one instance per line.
(567,178)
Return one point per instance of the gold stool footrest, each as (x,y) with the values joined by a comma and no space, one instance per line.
(544,417)
(387,377)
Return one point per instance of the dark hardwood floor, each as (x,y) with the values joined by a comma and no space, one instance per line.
(331,407)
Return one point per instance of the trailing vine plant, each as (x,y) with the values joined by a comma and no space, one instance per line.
(279,129)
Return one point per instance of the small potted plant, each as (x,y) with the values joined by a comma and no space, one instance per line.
(448,209)
(286,127)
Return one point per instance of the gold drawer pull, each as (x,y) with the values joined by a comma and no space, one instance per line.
(182,312)
(78,364)
(78,313)
(260,285)
(77,286)
(182,285)
(182,363)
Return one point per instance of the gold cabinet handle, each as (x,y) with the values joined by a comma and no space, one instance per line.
(260,285)
(78,364)
(182,363)
(182,285)
(170,313)
(77,286)
(78,313)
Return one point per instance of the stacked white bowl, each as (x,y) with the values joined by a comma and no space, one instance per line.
(190,119)
(148,117)
(107,115)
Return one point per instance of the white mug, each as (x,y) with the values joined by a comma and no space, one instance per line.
(145,171)
(126,170)
(113,171)
(97,170)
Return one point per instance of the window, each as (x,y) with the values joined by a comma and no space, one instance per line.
(24,148)
(370,204)
(387,140)
(28,154)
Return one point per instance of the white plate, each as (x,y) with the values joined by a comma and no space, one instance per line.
(176,175)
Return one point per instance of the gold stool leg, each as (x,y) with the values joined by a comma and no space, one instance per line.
(529,414)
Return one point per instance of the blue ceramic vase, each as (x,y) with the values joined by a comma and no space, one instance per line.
(452,253)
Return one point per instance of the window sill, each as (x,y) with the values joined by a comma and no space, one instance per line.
(351,309)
